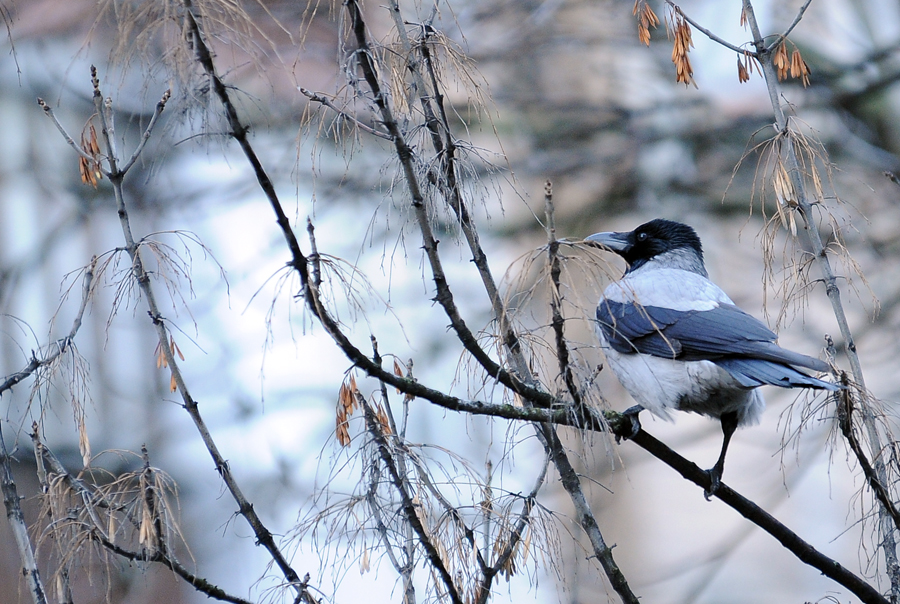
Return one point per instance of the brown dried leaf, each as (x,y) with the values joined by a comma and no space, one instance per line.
(147,532)
(343,433)
(345,401)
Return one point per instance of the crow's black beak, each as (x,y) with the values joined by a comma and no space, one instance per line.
(617,242)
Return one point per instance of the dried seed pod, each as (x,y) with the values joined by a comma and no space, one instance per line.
(781,61)
(743,74)
(646,19)
(681,46)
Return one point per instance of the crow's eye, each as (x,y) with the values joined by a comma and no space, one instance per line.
(642,236)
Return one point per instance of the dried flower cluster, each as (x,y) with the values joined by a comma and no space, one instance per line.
(646,19)
(90,169)
(796,67)
(681,32)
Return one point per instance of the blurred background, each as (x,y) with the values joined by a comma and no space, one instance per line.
(570,96)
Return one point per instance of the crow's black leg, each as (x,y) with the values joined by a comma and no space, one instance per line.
(632,415)
(729,425)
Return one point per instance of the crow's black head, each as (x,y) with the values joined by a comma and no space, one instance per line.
(672,243)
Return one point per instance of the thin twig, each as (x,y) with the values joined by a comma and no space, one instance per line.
(516,535)
(791,27)
(556,317)
(708,33)
(160,106)
(845,421)
(49,113)
(380,526)
(324,100)
(62,345)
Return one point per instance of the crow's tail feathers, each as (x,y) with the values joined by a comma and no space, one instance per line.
(757,372)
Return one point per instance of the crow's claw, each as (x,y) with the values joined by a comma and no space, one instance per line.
(715,479)
(631,414)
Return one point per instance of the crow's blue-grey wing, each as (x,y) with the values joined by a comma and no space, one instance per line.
(689,335)
(631,328)
(694,335)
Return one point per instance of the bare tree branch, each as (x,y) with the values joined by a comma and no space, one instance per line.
(116,177)
(814,241)
(791,27)
(755,514)
(198,583)
(49,113)
(19,529)
(62,345)
(160,106)
(158,555)
(556,320)
(845,409)
(706,32)
(444,148)
(409,508)
(324,100)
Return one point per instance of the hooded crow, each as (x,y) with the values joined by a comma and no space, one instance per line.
(676,341)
